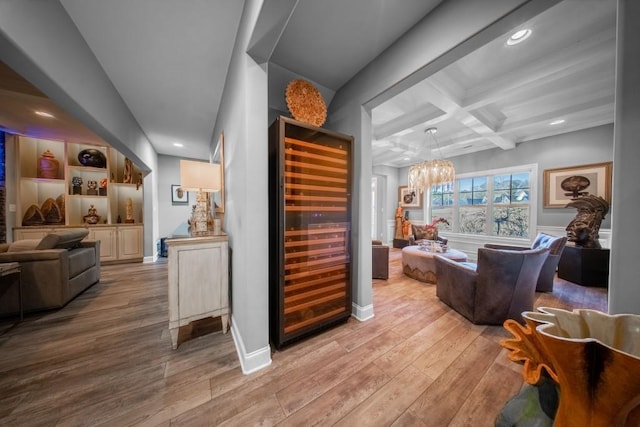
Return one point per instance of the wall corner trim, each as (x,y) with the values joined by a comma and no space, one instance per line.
(250,362)
(362,313)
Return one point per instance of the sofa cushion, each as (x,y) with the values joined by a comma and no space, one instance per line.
(80,260)
(63,239)
(23,245)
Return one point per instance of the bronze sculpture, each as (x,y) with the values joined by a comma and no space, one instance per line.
(583,229)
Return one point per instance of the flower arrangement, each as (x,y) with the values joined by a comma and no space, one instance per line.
(434,224)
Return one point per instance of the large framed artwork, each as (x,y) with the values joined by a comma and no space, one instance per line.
(409,199)
(218,157)
(563,184)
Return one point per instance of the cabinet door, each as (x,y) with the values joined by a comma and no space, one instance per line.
(107,237)
(129,242)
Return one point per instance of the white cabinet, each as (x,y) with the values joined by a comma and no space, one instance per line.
(130,242)
(198,281)
(107,237)
(118,243)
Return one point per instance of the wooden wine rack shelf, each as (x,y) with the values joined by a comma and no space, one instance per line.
(310,225)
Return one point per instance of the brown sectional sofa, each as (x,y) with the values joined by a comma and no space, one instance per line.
(54,270)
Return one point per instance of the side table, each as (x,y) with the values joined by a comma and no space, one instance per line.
(11,270)
(198,281)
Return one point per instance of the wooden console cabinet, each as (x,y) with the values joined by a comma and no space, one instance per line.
(310,173)
(198,281)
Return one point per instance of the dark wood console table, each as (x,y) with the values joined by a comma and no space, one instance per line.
(584,266)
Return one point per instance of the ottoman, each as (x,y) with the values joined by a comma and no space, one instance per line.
(419,264)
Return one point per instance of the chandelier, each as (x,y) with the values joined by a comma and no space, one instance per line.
(425,174)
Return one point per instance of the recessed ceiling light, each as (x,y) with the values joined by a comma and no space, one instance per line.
(557,122)
(406,158)
(177,144)
(519,36)
(45,114)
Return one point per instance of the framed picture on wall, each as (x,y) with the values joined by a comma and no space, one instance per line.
(409,199)
(563,184)
(178,195)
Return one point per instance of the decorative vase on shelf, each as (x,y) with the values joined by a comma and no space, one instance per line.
(93,158)
(48,166)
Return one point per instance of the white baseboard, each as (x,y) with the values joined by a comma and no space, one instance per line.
(149,259)
(362,313)
(250,362)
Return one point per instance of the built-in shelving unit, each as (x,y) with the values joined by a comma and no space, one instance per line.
(309,225)
(49,198)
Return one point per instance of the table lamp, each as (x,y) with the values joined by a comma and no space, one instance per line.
(204,178)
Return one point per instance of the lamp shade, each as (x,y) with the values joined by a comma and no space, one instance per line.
(199,176)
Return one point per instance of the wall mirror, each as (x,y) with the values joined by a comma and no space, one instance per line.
(218,157)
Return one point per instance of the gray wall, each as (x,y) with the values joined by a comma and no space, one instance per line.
(243,119)
(173,216)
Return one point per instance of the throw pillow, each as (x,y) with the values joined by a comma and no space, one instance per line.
(418,232)
(23,245)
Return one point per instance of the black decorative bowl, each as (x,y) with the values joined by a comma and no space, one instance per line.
(92,157)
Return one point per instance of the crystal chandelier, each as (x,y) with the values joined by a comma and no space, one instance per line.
(425,174)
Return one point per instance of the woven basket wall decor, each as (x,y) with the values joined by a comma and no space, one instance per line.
(305,102)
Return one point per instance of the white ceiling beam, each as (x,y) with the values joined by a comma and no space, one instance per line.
(600,105)
(446,102)
(416,117)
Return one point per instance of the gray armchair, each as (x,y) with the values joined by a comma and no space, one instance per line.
(555,244)
(380,260)
(418,234)
(500,287)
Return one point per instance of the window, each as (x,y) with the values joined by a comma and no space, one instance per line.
(494,203)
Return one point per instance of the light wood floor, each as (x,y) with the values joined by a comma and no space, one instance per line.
(106,359)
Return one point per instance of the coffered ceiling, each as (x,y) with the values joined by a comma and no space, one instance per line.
(502,95)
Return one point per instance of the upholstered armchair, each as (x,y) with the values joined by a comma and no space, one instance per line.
(380,260)
(555,244)
(500,286)
(418,234)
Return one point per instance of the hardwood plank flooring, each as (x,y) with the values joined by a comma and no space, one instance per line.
(106,359)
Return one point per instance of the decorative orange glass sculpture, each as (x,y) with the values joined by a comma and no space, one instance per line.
(592,356)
